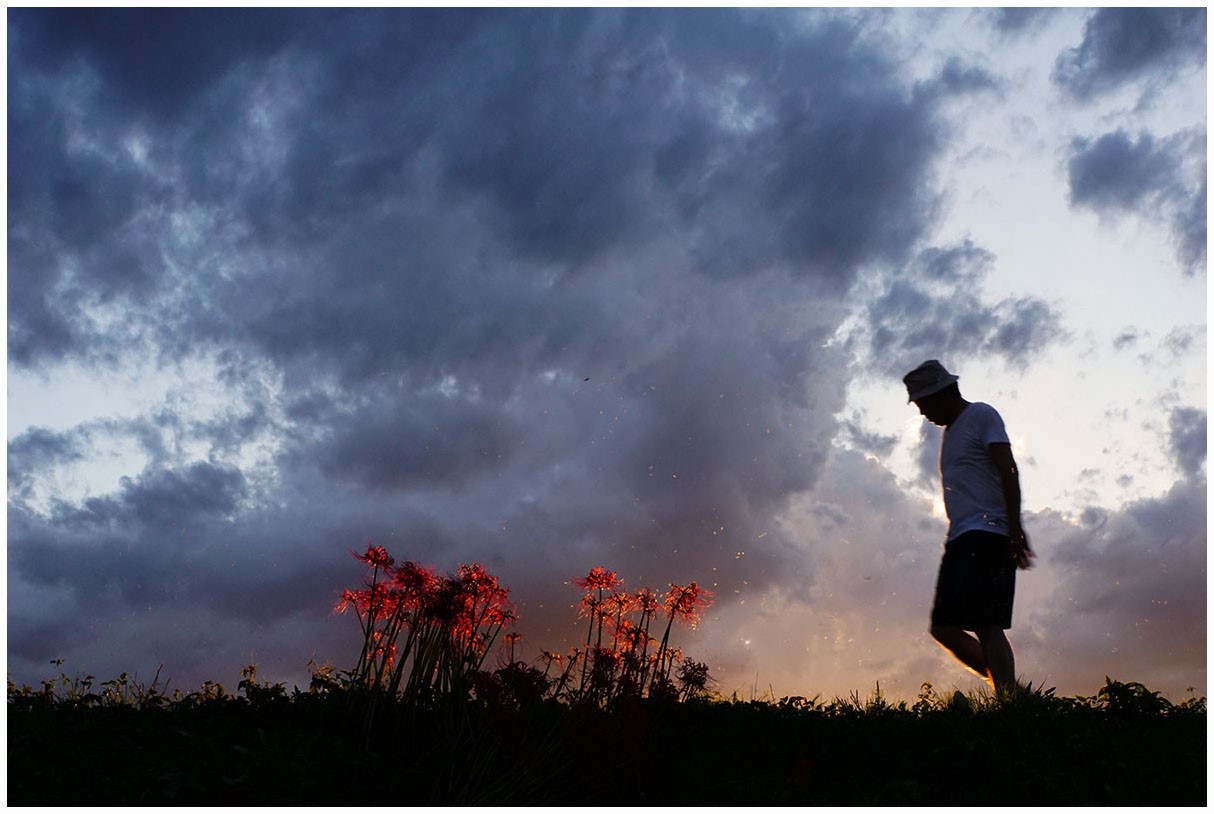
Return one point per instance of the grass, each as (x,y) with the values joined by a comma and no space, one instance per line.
(121,743)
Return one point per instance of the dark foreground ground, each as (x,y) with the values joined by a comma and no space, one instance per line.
(310,749)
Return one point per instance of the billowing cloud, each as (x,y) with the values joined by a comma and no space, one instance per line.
(1123,45)
(935,309)
(1117,173)
(1130,584)
(1189,228)
(957,77)
(155,60)
(1019,20)
(37,449)
(478,284)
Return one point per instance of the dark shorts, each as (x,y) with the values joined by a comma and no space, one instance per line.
(977,582)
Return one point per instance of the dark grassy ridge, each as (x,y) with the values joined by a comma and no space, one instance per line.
(274,748)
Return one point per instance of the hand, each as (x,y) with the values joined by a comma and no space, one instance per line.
(1021,552)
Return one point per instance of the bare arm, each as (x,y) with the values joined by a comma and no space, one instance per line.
(1009,478)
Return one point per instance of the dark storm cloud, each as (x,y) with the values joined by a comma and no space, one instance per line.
(174,497)
(154,60)
(1116,173)
(549,289)
(1122,45)
(579,131)
(110,559)
(73,237)
(568,134)
(160,499)
(167,570)
(410,443)
(659,104)
(935,309)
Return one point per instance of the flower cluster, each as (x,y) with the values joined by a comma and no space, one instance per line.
(441,627)
(427,636)
(621,658)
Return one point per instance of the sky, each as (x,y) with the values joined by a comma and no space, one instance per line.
(564,288)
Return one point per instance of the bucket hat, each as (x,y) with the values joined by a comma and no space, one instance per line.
(926,380)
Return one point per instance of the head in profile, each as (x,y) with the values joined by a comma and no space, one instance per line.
(935,392)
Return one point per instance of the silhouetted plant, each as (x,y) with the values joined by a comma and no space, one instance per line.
(1129,698)
(424,636)
(619,661)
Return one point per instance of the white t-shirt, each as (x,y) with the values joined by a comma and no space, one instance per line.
(973,493)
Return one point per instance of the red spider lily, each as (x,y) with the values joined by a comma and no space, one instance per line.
(376,555)
(446,601)
(500,612)
(630,637)
(349,599)
(426,637)
(693,678)
(617,604)
(417,584)
(647,601)
(685,603)
(383,648)
(624,633)
(450,624)
(599,579)
(590,607)
(374,602)
(476,575)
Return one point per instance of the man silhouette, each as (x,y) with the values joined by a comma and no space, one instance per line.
(986,542)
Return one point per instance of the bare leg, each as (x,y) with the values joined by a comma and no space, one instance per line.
(964,647)
(1000,660)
